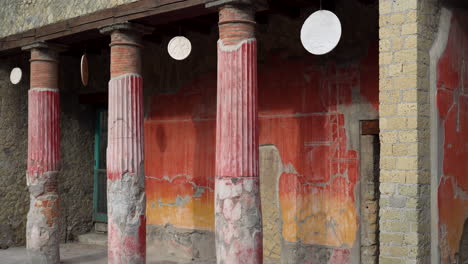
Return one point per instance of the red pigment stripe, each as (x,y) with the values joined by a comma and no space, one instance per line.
(125,124)
(237,125)
(43,131)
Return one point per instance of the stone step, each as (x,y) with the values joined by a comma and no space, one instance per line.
(93,239)
(100,227)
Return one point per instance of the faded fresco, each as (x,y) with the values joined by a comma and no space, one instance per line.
(310,113)
(452,105)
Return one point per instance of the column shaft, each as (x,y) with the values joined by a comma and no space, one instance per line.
(125,171)
(237,204)
(42,231)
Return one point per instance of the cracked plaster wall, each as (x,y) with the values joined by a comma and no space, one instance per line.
(450,80)
(309,109)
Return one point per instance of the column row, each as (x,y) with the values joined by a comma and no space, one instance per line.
(238,223)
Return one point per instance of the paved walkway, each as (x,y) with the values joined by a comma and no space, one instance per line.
(70,253)
(73,253)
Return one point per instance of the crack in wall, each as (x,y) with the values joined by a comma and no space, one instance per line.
(181,201)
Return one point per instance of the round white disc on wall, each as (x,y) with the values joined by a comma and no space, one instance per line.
(321,32)
(16,75)
(179,48)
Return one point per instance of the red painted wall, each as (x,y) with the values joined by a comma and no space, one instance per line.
(303,110)
(452,104)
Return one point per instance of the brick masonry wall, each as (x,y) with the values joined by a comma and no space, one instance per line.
(407,30)
(20,15)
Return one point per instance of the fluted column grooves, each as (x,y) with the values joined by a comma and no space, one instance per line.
(126,200)
(125,122)
(238,216)
(125,171)
(42,230)
(237,128)
(43,131)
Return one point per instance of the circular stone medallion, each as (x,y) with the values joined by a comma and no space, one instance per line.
(84,69)
(16,75)
(321,32)
(179,48)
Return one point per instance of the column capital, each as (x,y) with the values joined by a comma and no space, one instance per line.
(125,43)
(126,26)
(44,64)
(255,4)
(45,45)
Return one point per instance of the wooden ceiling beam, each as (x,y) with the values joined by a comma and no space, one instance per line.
(128,12)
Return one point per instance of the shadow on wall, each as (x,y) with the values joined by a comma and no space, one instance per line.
(462,255)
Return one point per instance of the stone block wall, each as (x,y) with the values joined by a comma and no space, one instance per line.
(20,15)
(407,30)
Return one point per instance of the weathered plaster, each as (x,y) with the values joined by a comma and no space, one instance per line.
(448,77)
(20,15)
(437,151)
(186,245)
(301,99)
(126,196)
(271,169)
(165,132)
(14,200)
(42,229)
(76,176)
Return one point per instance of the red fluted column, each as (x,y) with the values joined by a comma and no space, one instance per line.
(238,212)
(42,230)
(126,198)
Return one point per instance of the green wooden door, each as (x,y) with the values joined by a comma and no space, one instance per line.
(100,176)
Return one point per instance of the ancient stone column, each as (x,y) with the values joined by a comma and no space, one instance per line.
(42,229)
(238,217)
(126,198)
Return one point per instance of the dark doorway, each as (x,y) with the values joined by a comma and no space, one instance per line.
(100,176)
(463,250)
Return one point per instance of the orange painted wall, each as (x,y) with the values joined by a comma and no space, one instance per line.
(452,105)
(303,110)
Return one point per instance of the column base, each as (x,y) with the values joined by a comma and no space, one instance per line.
(238,217)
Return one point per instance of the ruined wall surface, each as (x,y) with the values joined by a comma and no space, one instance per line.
(309,112)
(452,117)
(76,176)
(407,30)
(14,198)
(20,15)
(77,153)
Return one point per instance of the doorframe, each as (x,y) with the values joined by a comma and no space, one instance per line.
(98,217)
(369,227)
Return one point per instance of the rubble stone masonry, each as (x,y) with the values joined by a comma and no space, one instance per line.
(20,15)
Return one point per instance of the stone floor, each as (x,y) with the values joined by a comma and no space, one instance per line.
(70,254)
